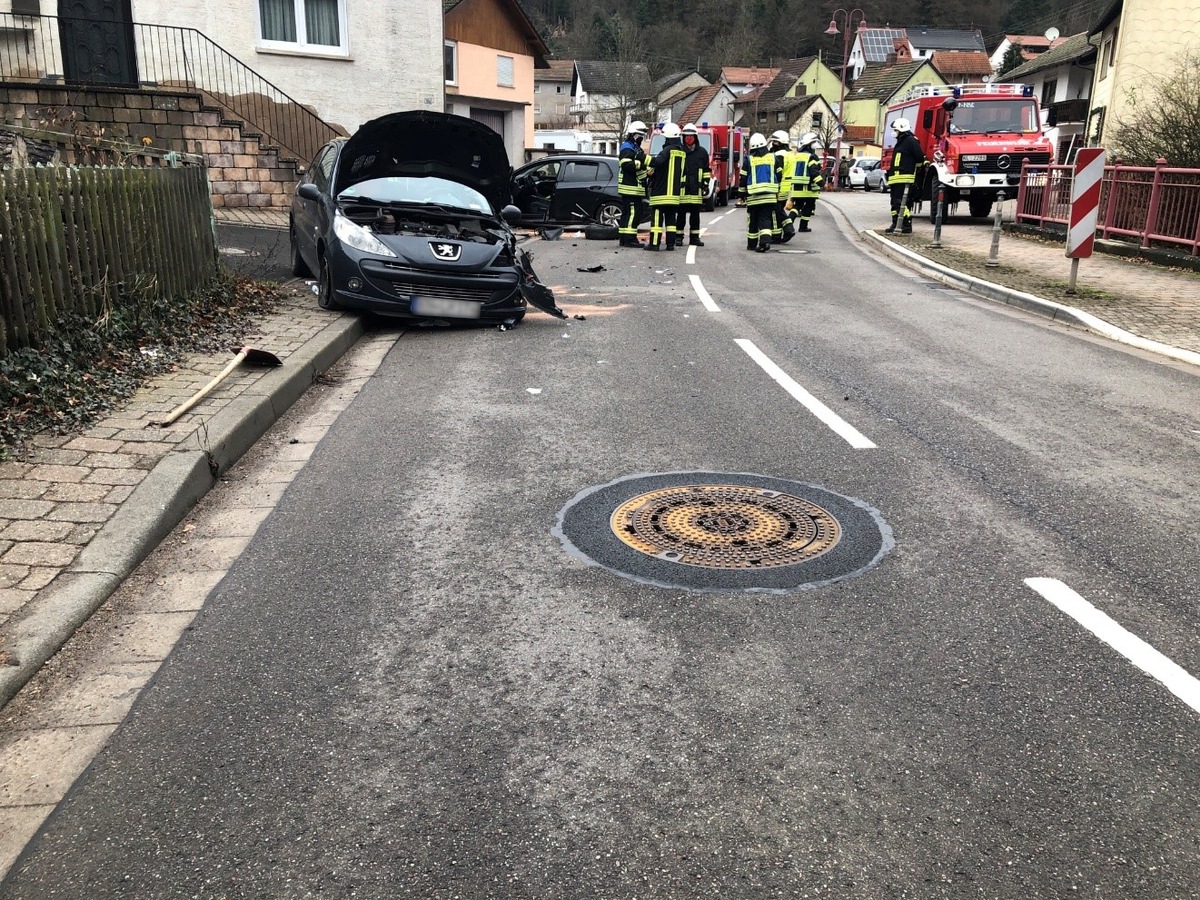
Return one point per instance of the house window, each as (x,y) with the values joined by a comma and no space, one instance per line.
(537,88)
(558,89)
(450,62)
(762,118)
(817,119)
(537,109)
(26,7)
(780,117)
(1049,89)
(1105,53)
(504,71)
(313,26)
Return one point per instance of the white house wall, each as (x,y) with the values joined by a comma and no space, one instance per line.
(394,61)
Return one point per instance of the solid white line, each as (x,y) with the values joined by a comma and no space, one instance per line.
(1133,648)
(691,255)
(839,425)
(705,296)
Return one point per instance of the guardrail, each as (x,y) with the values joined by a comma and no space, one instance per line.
(1149,205)
(164,57)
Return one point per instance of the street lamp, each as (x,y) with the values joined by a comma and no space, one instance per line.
(847,25)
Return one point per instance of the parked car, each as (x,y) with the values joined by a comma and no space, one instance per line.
(859,169)
(876,179)
(411,217)
(575,189)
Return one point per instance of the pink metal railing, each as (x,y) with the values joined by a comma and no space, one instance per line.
(1147,204)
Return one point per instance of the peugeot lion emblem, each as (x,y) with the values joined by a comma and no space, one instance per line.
(1004,162)
(447,252)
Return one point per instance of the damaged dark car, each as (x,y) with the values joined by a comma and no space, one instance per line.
(411,218)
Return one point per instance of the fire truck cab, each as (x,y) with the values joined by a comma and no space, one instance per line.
(975,137)
(724,144)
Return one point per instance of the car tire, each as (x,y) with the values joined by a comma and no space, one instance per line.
(883,186)
(299,266)
(609,213)
(326,299)
(601,233)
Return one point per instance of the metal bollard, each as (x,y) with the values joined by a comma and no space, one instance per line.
(994,257)
(939,212)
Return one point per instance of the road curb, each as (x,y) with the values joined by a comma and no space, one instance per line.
(1028,302)
(160,502)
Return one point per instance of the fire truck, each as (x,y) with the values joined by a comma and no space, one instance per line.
(725,145)
(975,137)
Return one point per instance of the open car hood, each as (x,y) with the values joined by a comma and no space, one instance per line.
(417,143)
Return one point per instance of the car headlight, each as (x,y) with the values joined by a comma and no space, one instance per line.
(358,237)
(964,180)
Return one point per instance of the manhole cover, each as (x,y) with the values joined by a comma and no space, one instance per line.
(711,531)
(725,526)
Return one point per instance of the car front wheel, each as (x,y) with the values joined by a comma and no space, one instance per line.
(299,266)
(326,299)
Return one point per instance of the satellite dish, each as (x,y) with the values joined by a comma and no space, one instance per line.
(987,79)
(1052,33)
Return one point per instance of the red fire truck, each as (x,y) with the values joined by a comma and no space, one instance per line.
(975,137)
(725,145)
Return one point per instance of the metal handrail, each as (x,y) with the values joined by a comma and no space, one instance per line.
(162,58)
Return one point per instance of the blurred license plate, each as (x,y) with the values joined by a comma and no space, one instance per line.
(974,157)
(437,306)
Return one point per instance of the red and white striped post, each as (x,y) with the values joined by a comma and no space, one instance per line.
(1085,207)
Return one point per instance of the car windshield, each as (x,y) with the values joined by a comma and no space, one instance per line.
(994,117)
(424,191)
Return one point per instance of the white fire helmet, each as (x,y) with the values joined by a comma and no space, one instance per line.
(690,128)
(781,137)
(670,130)
(808,139)
(637,127)
(757,141)
(900,126)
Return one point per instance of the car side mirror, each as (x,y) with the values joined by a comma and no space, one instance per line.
(511,214)
(308,191)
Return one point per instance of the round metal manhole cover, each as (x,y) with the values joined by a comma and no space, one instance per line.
(725,526)
(709,531)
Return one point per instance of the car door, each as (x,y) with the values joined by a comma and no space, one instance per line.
(534,187)
(308,215)
(579,192)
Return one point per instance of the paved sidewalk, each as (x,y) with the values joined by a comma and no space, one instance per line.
(80,512)
(259,218)
(1153,302)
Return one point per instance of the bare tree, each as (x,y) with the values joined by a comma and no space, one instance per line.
(1163,117)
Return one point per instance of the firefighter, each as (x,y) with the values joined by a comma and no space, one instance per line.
(759,187)
(782,229)
(806,179)
(665,181)
(696,175)
(907,160)
(631,183)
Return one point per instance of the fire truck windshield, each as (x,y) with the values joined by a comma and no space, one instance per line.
(656,144)
(994,117)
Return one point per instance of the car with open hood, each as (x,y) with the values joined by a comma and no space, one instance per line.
(411,217)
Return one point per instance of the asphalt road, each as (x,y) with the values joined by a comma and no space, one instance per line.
(407,687)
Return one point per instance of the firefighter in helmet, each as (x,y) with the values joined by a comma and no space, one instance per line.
(631,183)
(696,176)
(759,186)
(782,229)
(908,160)
(806,178)
(665,180)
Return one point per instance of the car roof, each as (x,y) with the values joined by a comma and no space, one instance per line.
(570,156)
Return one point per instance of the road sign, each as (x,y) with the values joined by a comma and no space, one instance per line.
(1085,202)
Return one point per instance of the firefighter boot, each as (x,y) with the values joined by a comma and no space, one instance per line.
(891,228)
(906,225)
(764,243)
(694,240)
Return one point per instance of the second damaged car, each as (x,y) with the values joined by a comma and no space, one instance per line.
(411,217)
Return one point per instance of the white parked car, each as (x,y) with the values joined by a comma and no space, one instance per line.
(866,174)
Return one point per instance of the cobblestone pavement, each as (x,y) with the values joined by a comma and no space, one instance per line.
(56,499)
(1152,301)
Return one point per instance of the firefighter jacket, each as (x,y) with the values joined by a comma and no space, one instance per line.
(783,166)
(666,174)
(907,158)
(761,175)
(696,174)
(805,177)
(632,166)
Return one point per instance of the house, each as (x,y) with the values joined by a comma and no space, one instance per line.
(607,96)
(962,66)
(256,88)
(799,77)
(491,53)
(873,45)
(552,95)
(1062,79)
(879,86)
(1032,46)
(1139,42)
(743,79)
(713,104)
(674,92)
(785,105)
(926,41)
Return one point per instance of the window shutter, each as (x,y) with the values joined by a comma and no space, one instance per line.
(504,71)
(26,7)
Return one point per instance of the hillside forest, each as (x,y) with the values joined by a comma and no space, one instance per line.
(676,35)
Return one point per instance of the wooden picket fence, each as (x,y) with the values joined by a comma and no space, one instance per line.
(82,239)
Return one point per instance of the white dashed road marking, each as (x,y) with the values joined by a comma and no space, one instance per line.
(704,295)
